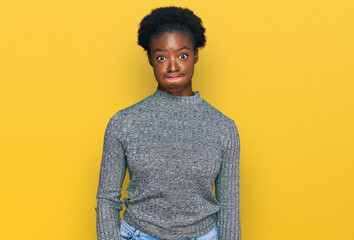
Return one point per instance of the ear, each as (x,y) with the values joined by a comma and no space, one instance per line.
(150,59)
(196,56)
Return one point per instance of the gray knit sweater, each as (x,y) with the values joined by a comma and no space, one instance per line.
(175,148)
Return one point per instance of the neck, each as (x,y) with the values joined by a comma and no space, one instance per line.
(185,92)
(170,98)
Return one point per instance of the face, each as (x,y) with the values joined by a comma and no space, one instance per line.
(172,58)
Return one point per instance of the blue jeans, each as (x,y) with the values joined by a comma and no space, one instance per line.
(128,232)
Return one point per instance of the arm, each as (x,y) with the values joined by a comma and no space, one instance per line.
(227,188)
(110,184)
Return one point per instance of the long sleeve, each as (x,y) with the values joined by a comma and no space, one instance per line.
(112,173)
(227,188)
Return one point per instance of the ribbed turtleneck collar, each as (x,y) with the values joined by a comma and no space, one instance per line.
(178,99)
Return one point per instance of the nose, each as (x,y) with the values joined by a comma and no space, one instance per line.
(173,65)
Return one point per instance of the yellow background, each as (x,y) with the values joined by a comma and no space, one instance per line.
(283,70)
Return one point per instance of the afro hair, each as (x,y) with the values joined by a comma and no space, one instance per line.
(168,19)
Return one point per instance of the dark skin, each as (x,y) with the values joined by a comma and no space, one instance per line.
(172,56)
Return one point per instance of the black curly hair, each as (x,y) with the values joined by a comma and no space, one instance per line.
(168,19)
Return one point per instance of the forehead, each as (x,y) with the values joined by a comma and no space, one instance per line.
(171,40)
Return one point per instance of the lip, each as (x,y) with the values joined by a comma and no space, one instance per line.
(174,77)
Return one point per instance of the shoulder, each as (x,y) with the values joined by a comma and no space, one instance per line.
(221,122)
(133,110)
(215,114)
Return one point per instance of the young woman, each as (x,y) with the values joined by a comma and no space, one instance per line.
(175,145)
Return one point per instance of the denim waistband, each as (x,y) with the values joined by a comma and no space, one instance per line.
(126,225)
(212,234)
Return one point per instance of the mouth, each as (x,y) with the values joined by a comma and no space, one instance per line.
(173,78)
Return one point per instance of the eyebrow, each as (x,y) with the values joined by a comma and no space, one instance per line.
(164,50)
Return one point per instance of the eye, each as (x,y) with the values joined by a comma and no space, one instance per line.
(161,58)
(183,56)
